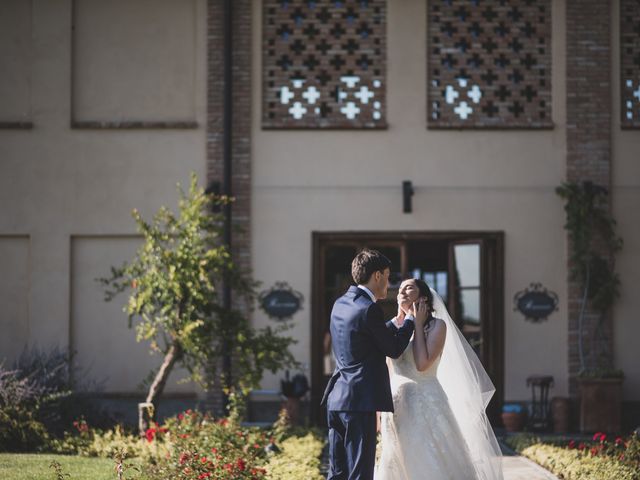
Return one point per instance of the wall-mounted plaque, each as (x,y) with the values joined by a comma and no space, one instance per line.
(536,303)
(280,301)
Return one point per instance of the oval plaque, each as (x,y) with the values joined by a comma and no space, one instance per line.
(536,303)
(281,301)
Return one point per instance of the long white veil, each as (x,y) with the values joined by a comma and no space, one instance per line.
(469,389)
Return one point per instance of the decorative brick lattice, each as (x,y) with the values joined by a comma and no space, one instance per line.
(630,62)
(489,64)
(324,64)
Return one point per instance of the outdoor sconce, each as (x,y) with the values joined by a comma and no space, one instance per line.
(407,193)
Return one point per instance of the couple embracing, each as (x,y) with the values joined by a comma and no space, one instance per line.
(432,391)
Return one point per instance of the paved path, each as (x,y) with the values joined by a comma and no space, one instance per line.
(515,467)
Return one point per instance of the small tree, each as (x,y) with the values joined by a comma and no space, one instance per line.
(174,284)
(594,244)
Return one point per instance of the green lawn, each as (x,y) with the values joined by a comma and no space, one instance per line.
(30,466)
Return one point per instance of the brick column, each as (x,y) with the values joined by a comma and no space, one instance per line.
(588,136)
(241,128)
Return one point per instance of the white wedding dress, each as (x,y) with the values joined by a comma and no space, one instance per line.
(421,440)
(439,430)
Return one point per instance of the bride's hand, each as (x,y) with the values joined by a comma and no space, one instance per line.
(419,311)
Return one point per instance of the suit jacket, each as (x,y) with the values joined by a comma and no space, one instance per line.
(361,342)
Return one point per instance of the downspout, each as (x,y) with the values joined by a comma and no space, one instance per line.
(226,181)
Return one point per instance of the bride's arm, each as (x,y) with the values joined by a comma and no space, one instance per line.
(428,346)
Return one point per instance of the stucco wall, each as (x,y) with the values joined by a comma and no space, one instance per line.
(68,193)
(305,181)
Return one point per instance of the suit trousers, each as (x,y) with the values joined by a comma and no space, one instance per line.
(352,445)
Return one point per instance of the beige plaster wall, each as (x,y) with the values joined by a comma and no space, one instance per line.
(305,181)
(71,191)
(626,204)
(15,54)
(151,46)
(14,289)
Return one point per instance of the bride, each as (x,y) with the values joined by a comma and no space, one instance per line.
(440,391)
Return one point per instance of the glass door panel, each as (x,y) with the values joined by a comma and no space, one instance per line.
(466,290)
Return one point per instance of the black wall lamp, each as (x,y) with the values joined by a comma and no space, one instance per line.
(407,193)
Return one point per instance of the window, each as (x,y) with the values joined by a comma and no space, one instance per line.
(630,62)
(489,64)
(324,64)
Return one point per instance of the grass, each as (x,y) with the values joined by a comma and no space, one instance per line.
(32,466)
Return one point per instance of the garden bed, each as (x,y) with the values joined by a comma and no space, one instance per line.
(596,459)
(189,446)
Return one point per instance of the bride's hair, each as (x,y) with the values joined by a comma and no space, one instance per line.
(425,291)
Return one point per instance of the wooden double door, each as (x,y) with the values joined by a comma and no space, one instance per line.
(465,268)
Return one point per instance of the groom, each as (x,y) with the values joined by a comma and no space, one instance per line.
(360,384)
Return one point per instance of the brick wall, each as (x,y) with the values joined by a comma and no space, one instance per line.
(588,135)
(241,128)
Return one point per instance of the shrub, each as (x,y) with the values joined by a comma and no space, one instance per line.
(36,400)
(89,442)
(299,460)
(20,400)
(202,447)
(20,431)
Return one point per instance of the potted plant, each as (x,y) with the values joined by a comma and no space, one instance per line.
(514,417)
(594,243)
(293,390)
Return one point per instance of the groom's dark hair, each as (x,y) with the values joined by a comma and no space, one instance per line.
(366,263)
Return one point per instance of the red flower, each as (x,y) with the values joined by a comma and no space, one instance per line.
(572,444)
(619,440)
(204,475)
(184,456)
(241,465)
(181,416)
(603,437)
(150,434)
(214,450)
(621,457)
(594,451)
(256,446)
(184,435)
(596,436)
(582,446)
(204,460)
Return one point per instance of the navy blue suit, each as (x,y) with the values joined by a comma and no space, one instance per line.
(359,387)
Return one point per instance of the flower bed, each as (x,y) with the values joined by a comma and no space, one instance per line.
(600,458)
(195,446)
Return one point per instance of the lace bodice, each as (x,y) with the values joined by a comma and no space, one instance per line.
(405,366)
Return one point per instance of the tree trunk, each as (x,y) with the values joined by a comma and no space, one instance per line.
(148,410)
